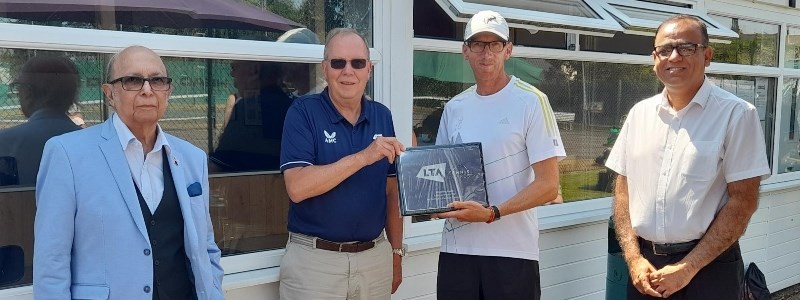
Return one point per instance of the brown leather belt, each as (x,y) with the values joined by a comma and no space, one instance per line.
(344,247)
(667,248)
(319,243)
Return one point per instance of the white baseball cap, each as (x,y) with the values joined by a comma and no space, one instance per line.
(487,21)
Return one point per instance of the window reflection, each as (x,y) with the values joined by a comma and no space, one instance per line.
(619,43)
(793,48)
(759,91)
(430,21)
(37,92)
(40,92)
(757,43)
(231,19)
(569,7)
(254,113)
(789,138)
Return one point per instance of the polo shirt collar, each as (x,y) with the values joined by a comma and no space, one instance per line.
(700,98)
(335,116)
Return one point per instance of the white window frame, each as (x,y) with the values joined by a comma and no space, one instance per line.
(605,25)
(648,27)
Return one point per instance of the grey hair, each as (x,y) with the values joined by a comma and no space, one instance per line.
(110,66)
(341,30)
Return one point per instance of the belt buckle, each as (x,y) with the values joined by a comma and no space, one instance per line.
(656,252)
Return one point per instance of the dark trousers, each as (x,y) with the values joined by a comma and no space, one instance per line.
(468,277)
(718,280)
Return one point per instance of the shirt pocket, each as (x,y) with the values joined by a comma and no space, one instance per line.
(701,160)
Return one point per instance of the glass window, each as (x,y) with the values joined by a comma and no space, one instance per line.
(583,16)
(792,48)
(757,43)
(232,109)
(647,16)
(576,8)
(430,21)
(250,19)
(589,99)
(619,43)
(789,143)
(759,91)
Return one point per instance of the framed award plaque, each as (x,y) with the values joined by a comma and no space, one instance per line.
(432,177)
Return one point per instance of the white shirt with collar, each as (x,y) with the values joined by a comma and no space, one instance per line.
(147,171)
(678,163)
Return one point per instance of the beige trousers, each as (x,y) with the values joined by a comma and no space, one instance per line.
(310,273)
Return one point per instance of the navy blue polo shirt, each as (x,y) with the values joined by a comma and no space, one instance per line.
(315,133)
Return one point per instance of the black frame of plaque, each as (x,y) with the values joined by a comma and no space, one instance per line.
(400,173)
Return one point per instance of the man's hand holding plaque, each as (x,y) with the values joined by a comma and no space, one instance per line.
(467,211)
(381,147)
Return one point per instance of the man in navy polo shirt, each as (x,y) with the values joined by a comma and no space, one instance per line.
(337,157)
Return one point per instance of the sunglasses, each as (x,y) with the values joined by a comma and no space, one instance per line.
(338,63)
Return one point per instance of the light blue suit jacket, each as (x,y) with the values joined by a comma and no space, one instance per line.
(90,237)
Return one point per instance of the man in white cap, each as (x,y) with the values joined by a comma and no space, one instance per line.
(493,252)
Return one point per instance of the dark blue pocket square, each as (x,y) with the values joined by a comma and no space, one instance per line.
(195,189)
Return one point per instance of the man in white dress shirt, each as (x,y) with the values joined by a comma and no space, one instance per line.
(690,161)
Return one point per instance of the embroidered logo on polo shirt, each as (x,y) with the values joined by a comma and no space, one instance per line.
(432,172)
(330,138)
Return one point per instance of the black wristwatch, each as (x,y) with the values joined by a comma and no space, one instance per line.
(496,213)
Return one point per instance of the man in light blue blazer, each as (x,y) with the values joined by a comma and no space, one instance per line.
(122,207)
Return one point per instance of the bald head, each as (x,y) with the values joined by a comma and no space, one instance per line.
(139,51)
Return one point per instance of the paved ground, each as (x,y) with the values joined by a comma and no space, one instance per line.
(790,293)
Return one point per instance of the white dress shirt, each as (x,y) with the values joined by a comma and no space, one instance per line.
(147,171)
(678,163)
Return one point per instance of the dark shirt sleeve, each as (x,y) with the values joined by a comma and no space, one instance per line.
(297,144)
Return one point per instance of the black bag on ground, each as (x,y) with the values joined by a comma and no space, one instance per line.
(754,285)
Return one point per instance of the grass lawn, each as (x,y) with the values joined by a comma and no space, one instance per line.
(580,185)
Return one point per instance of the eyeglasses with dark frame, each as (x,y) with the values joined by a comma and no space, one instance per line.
(478,46)
(135,83)
(356,63)
(685,49)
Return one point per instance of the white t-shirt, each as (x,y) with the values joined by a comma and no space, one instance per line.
(678,163)
(517,128)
